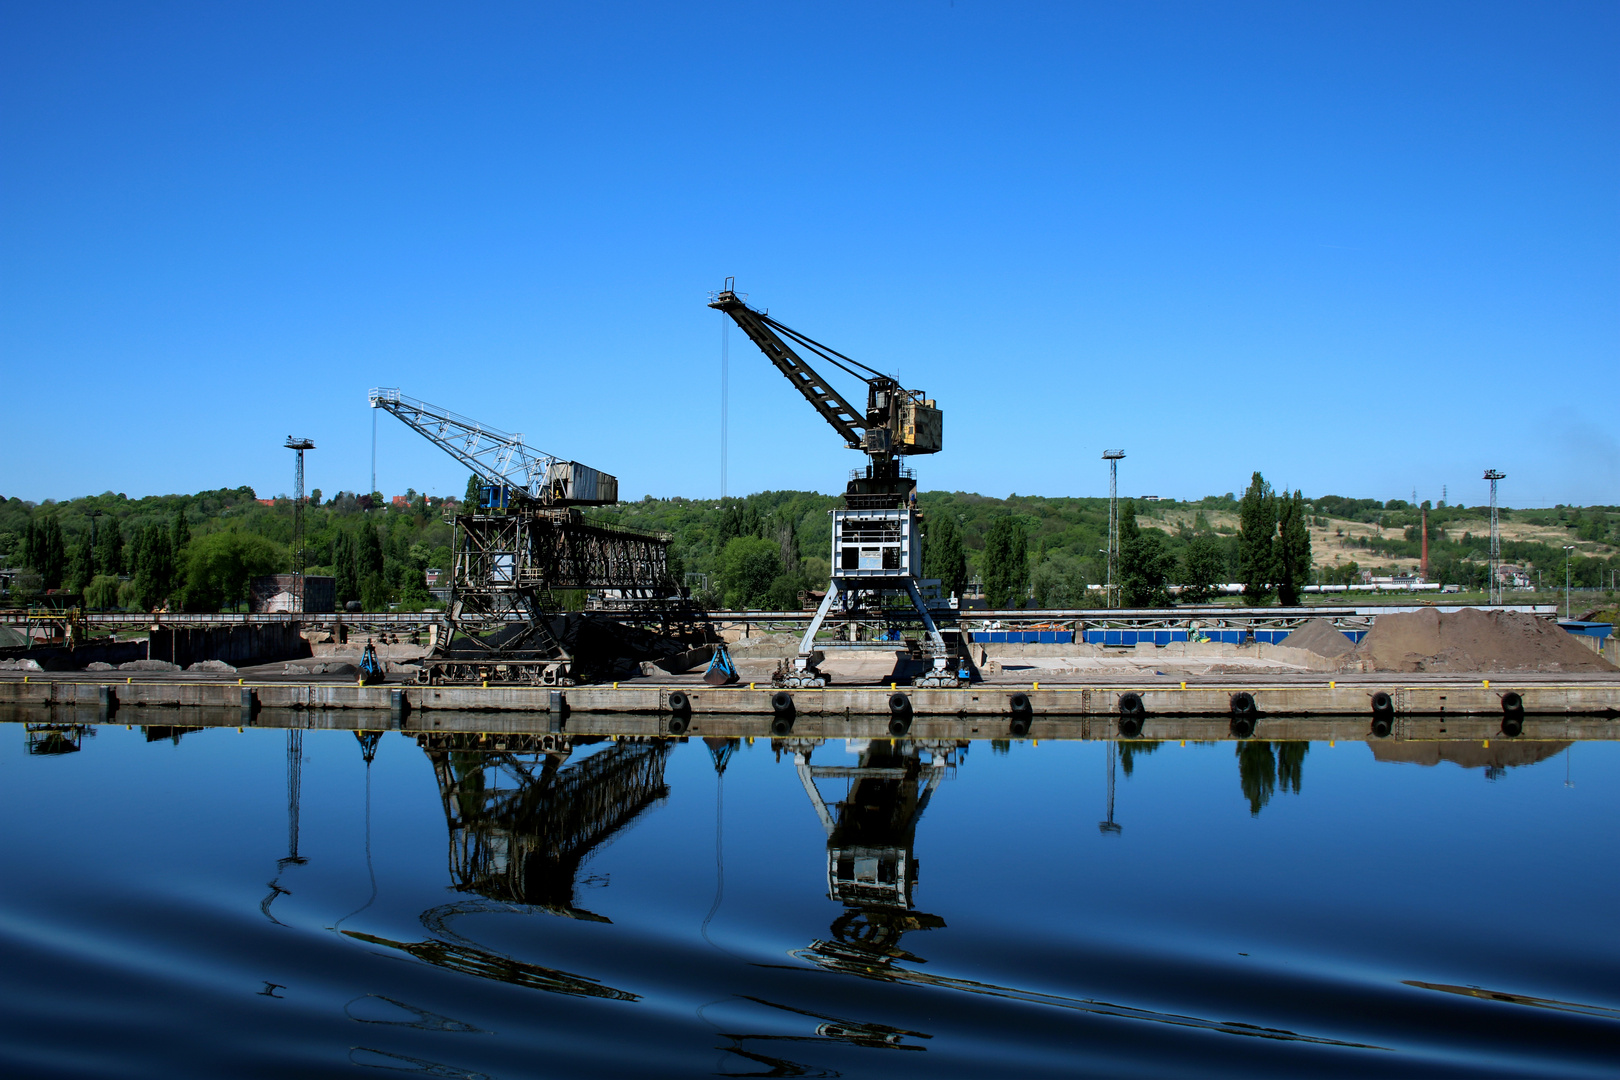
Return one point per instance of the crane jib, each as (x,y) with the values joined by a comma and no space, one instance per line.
(499,459)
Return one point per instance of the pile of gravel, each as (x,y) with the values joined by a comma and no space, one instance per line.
(1319,636)
(212,665)
(1472,640)
(148,665)
(20,665)
(320,668)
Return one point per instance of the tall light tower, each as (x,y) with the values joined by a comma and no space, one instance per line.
(1112,457)
(1569,553)
(1493,476)
(298,446)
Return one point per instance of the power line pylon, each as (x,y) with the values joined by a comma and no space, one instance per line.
(1493,475)
(1112,457)
(298,446)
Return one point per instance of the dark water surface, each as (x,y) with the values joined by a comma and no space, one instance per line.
(447,908)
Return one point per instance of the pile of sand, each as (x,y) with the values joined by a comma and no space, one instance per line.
(1319,637)
(331,668)
(1471,640)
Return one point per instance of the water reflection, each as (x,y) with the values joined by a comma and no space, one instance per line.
(1494,757)
(1263,765)
(787,991)
(521,824)
(47,740)
(871,833)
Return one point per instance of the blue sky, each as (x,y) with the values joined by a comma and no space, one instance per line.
(1364,248)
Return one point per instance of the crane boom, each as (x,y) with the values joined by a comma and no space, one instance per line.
(499,458)
(844,418)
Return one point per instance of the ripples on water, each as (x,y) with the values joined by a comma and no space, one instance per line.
(662,908)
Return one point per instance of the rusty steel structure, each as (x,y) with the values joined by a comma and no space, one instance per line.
(523,820)
(525,550)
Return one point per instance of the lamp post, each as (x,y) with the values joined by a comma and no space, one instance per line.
(1568,552)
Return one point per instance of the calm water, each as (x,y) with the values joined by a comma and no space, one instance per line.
(663,908)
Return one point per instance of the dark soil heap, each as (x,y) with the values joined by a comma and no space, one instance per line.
(1471,640)
(1319,637)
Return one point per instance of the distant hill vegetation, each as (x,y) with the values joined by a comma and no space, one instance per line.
(198,551)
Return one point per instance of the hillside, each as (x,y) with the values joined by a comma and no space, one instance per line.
(199,550)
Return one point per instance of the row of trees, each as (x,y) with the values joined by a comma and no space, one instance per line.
(143,554)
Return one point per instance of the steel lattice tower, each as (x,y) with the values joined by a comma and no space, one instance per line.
(298,446)
(1112,457)
(1493,476)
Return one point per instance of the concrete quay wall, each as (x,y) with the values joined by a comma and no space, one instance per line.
(1481,698)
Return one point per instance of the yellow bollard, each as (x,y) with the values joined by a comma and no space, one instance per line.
(891,687)
(1487,744)
(1487,684)
(1184,686)
(750,686)
(615,686)
(1332,685)
(1035,686)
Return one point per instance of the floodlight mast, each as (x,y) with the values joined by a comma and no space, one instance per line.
(1493,475)
(298,446)
(1113,457)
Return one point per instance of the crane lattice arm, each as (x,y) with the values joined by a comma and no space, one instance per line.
(761,329)
(896,420)
(500,458)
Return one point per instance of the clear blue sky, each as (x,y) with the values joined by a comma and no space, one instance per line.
(1364,248)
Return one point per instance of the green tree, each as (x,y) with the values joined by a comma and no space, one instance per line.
(154,568)
(1060,581)
(179,533)
(1203,566)
(346,581)
(81,567)
(102,593)
(368,553)
(943,555)
(45,551)
(1144,563)
(374,593)
(219,567)
(749,566)
(110,549)
(1292,549)
(470,500)
(1006,564)
(1257,527)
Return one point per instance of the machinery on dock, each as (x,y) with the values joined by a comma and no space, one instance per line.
(526,544)
(877,536)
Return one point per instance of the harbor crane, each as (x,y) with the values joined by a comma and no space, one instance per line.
(877,539)
(525,542)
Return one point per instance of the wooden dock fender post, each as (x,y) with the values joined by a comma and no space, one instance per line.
(250,705)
